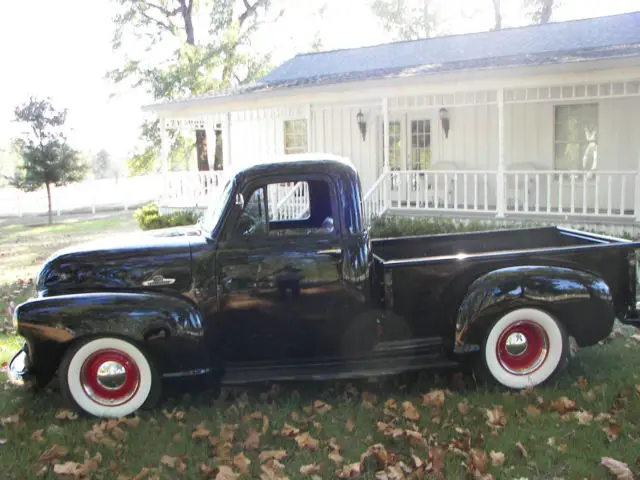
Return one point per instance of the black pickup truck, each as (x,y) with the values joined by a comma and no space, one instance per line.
(255,294)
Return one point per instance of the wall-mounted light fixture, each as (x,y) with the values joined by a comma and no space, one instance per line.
(362,124)
(444,121)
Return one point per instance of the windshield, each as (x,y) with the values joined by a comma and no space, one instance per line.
(211,217)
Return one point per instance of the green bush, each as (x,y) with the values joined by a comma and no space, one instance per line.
(149,218)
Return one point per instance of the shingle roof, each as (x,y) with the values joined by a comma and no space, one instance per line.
(494,48)
(557,42)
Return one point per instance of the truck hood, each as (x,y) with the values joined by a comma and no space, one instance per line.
(155,259)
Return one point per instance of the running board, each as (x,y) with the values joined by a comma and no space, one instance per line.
(337,369)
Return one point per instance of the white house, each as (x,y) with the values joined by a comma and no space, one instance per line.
(538,122)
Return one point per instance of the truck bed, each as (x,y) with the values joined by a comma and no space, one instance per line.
(430,248)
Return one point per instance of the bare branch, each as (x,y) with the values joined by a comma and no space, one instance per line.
(250,10)
(167,13)
(159,23)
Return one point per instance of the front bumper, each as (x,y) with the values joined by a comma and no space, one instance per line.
(18,370)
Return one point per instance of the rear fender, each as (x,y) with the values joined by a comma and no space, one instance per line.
(581,301)
(169,329)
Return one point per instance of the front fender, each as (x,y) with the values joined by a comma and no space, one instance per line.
(169,329)
(582,301)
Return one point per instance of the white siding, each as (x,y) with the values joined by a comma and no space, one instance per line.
(336,131)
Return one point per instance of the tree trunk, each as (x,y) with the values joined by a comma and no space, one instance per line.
(497,15)
(49,200)
(201,150)
(546,10)
(218,163)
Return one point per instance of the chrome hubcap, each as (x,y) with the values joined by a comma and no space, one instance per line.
(111,375)
(516,344)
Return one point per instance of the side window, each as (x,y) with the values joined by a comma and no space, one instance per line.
(252,221)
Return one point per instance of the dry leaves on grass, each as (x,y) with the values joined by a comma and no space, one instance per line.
(612,430)
(305,440)
(253,440)
(496,417)
(269,454)
(521,450)
(289,431)
(463,408)
(532,411)
(37,435)
(563,405)
(619,469)
(497,458)
(200,432)
(410,411)
(351,424)
(55,451)
(242,463)
(434,397)
(65,414)
(272,470)
(584,417)
(173,462)
(226,473)
(321,407)
(78,470)
(351,470)
(309,469)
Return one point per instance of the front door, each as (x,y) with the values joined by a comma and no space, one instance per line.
(409,151)
(280,273)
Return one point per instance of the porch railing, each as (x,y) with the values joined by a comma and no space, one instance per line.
(595,194)
(191,189)
(289,201)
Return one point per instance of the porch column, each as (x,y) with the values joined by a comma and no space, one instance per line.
(636,193)
(211,141)
(385,153)
(310,147)
(226,140)
(500,187)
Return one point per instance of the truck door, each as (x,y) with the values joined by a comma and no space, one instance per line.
(280,271)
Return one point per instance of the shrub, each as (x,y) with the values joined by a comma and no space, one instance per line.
(149,217)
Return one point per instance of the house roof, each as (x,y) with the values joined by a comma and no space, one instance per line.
(552,43)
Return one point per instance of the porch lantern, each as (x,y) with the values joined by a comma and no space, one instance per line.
(444,120)
(362,124)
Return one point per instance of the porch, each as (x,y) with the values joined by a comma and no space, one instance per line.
(553,147)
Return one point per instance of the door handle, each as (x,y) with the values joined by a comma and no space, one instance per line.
(331,251)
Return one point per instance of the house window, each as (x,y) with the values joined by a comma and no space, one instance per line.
(295,136)
(576,136)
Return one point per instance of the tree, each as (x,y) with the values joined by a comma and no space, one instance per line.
(497,15)
(46,157)
(407,19)
(202,61)
(101,164)
(540,11)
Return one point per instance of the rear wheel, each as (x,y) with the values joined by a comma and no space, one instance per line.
(108,377)
(524,348)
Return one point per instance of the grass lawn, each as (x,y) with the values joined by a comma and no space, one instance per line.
(386,428)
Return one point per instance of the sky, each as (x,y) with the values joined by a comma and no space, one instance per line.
(62,49)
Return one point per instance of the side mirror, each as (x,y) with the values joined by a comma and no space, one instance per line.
(240,200)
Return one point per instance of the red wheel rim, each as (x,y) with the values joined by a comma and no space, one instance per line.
(110,377)
(522,348)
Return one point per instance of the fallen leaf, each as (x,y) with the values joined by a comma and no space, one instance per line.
(272,470)
(463,407)
(612,430)
(98,435)
(417,461)
(532,411)
(241,462)
(265,424)
(584,417)
(563,405)
(200,432)
(336,457)
(226,473)
(410,411)
(253,440)
(72,469)
(379,452)
(478,461)
(205,469)
(37,435)
(321,407)
(289,431)
(309,469)
(267,454)
(497,458)
(169,461)
(351,424)
(496,417)
(349,471)
(130,422)
(56,451)
(307,441)
(141,474)
(227,432)
(582,382)
(619,469)
(434,397)
(118,434)
(521,449)
(66,415)
(436,457)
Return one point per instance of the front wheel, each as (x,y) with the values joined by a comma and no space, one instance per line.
(524,348)
(108,377)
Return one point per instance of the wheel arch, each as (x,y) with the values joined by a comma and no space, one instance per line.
(581,301)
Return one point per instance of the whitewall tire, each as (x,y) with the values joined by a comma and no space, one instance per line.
(108,377)
(525,348)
